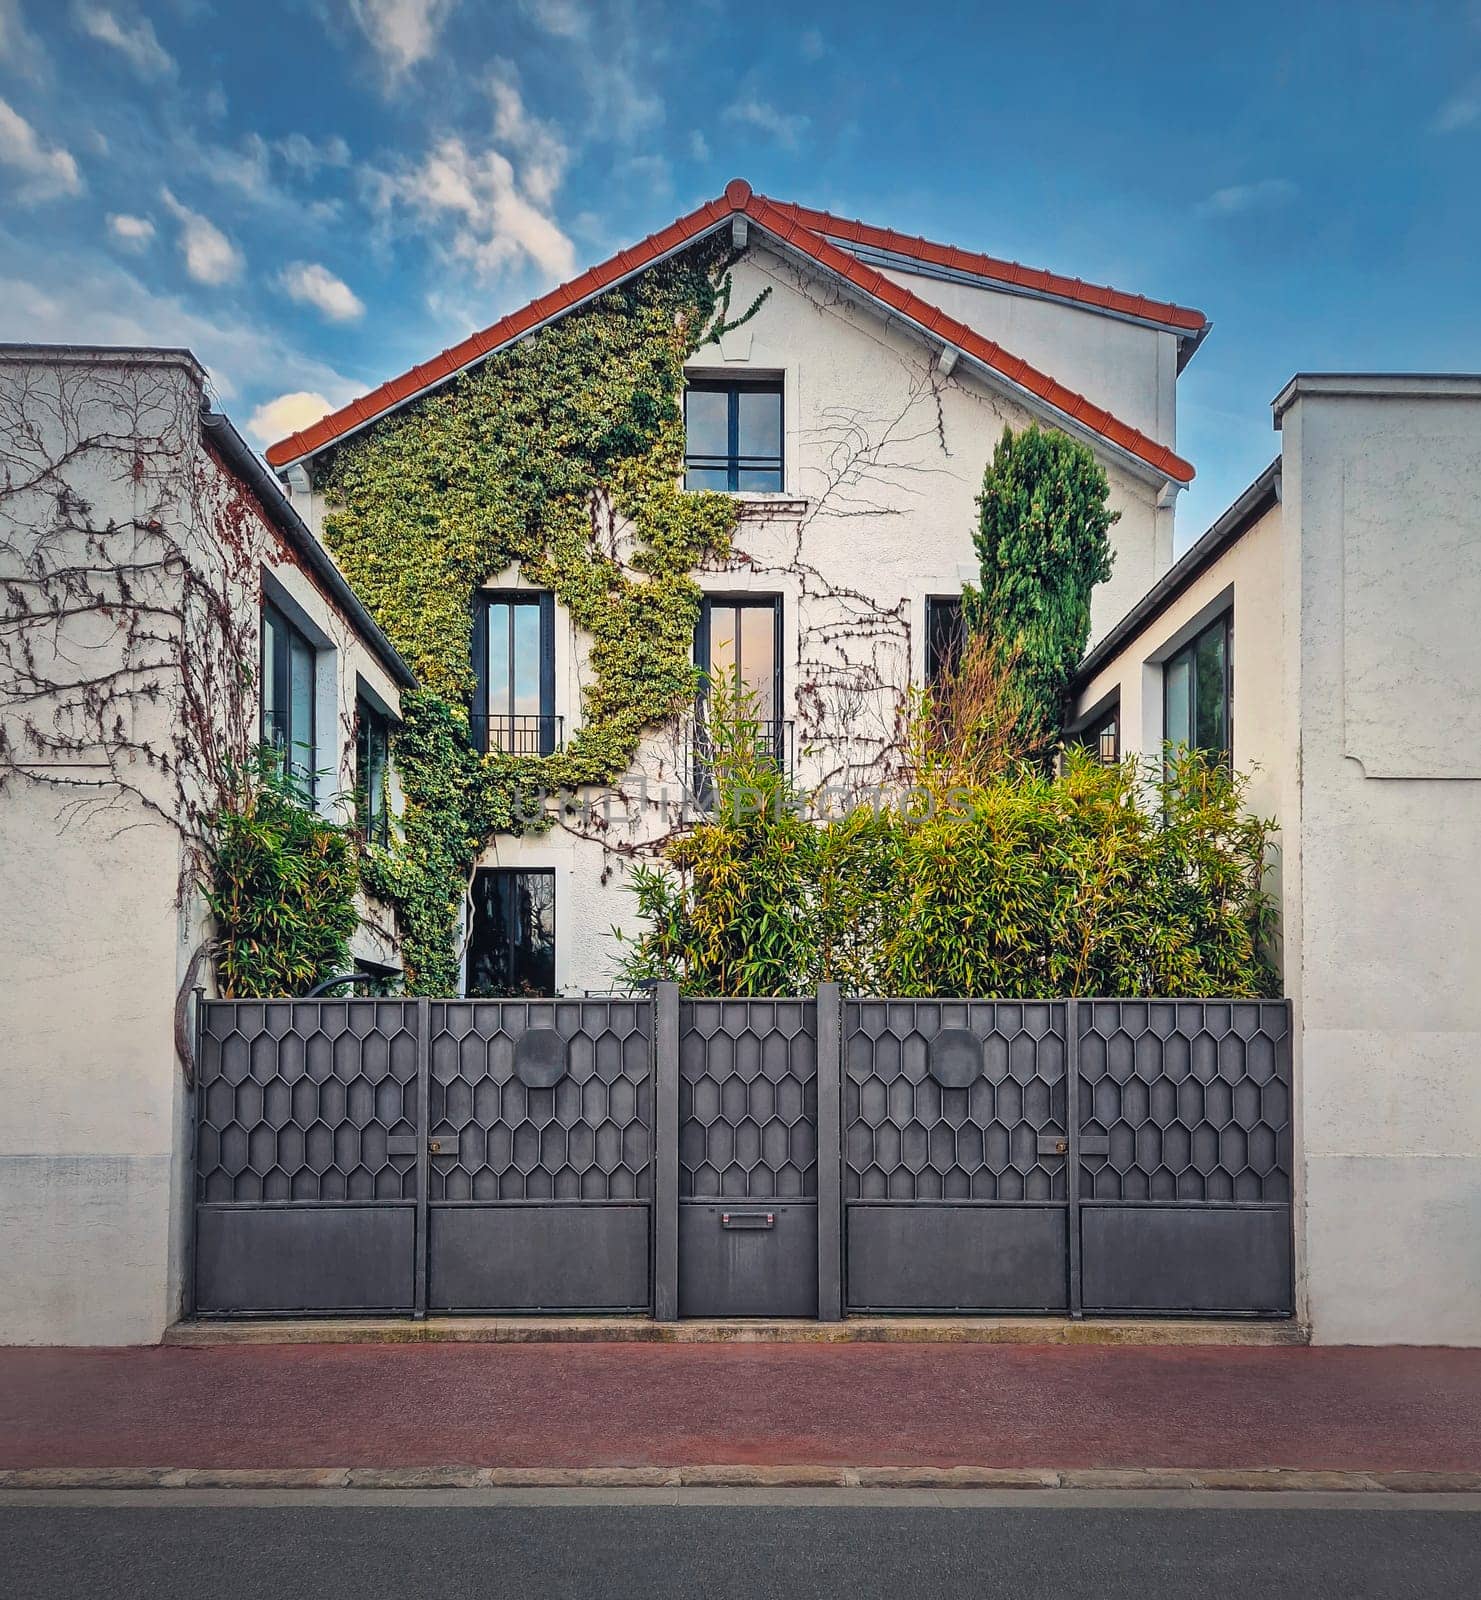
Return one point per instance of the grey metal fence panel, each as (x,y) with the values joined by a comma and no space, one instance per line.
(306,1156)
(955,1172)
(542,1170)
(1185,1155)
(748,1158)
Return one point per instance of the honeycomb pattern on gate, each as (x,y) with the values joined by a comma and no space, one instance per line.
(1192,1097)
(908,1138)
(587,1138)
(297,1100)
(748,1100)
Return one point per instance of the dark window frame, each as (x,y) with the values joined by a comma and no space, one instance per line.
(702,641)
(546,734)
(282,735)
(1089,734)
(732,463)
(1224,625)
(504,884)
(372,803)
(940,664)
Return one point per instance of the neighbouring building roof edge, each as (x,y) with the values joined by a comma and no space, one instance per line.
(1230,527)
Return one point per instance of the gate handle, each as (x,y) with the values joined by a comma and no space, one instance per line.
(1058,1144)
(748,1219)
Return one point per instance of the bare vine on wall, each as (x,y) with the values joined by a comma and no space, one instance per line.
(124,648)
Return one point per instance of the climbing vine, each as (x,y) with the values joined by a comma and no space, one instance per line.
(560,456)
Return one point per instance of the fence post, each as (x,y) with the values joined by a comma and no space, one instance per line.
(1072,1163)
(666,1153)
(830,1154)
(423,1013)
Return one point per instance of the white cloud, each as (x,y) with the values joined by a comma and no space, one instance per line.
(311,284)
(537,145)
(307,155)
(1242,197)
(1460,111)
(811,44)
(137,41)
(605,47)
(699,146)
(19,47)
(564,19)
(786,128)
(210,257)
(46,171)
(402,32)
(80,299)
(130,233)
(495,226)
(276,419)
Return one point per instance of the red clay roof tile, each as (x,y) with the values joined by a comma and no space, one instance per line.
(808,232)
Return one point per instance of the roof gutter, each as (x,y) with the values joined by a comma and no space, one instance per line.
(243,461)
(1246,511)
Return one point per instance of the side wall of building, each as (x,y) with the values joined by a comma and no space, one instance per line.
(1382,811)
(99,929)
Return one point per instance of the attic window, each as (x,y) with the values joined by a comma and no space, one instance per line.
(733,436)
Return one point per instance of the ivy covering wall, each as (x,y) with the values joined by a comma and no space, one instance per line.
(563,456)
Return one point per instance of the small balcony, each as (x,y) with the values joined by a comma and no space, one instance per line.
(510,735)
(773,744)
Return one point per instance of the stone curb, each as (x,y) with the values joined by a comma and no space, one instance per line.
(643,1330)
(740,1476)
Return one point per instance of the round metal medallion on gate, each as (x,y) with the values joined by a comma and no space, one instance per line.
(539,1058)
(954,1058)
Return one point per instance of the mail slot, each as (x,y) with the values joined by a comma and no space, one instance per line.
(748,1219)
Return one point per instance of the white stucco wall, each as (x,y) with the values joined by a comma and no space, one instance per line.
(1382,580)
(883,462)
(1130,368)
(94,943)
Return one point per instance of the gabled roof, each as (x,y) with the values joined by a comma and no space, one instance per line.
(785,224)
(1012,275)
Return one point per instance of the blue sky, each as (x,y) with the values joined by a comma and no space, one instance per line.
(315,194)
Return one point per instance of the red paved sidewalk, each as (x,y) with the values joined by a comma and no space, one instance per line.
(636,1404)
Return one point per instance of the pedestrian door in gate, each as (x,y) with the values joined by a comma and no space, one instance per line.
(748,1158)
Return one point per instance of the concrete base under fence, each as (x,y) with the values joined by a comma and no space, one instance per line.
(642,1330)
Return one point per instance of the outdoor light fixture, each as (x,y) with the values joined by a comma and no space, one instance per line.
(1109,754)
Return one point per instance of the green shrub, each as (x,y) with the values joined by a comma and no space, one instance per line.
(282,889)
(1043,543)
(1142,878)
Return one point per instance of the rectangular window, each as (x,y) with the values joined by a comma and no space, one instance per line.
(287,719)
(739,642)
(733,436)
(1102,738)
(511,938)
(946,633)
(514,662)
(1197,692)
(372,763)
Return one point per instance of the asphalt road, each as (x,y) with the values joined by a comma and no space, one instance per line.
(652,1552)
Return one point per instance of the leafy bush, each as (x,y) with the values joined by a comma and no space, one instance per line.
(1042,545)
(282,889)
(1142,878)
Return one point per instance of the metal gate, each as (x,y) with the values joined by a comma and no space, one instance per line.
(955,1174)
(792,1157)
(971,1185)
(748,1158)
(407,1155)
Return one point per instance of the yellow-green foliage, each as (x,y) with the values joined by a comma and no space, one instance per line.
(524,460)
(1126,880)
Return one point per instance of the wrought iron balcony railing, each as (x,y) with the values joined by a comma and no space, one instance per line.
(773,743)
(516,735)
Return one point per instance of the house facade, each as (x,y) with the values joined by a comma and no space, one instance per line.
(851,415)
